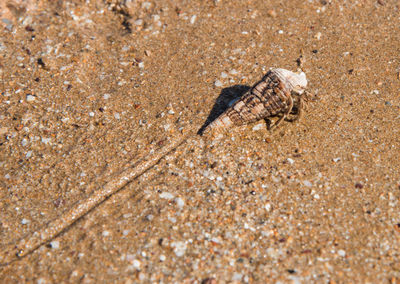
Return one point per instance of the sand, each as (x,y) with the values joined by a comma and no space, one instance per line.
(88,88)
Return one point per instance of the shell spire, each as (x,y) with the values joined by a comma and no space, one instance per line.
(271,96)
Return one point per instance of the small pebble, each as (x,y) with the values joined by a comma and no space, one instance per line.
(307,183)
(180,202)
(218,83)
(258,127)
(193,19)
(46,140)
(138,22)
(25,221)
(28,154)
(106,96)
(30,98)
(358,185)
(291,161)
(342,253)
(106,233)
(146,5)
(233,72)
(55,244)
(167,195)
(179,248)
(237,276)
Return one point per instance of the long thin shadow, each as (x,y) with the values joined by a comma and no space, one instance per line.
(223,102)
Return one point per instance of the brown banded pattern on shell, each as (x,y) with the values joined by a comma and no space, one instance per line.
(268,97)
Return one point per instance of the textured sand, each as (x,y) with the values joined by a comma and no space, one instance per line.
(87,88)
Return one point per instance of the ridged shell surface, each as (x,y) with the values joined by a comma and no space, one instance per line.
(268,97)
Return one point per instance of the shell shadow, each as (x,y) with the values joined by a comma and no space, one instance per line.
(223,102)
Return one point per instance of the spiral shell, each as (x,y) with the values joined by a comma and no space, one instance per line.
(271,96)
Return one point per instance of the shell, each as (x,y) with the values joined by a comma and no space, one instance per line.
(270,96)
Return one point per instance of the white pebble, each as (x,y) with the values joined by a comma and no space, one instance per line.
(146,5)
(316,196)
(46,140)
(117,115)
(167,127)
(307,183)
(127,215)
(342,253)
(224,75)
(25,221)
(55,244)
(193,19)
(24,142)
(28,154)
(291,161)
(136,263)
(233,72)
(138,22)
(163,257)
(167,195)
(268,207)
(91,114)
(30,98)
(179,248)
(336,159)
(106,96)
(218,83)
(258,127)
(106,233)
(180,202)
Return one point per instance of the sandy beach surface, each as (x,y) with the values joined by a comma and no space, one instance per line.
(90,87)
